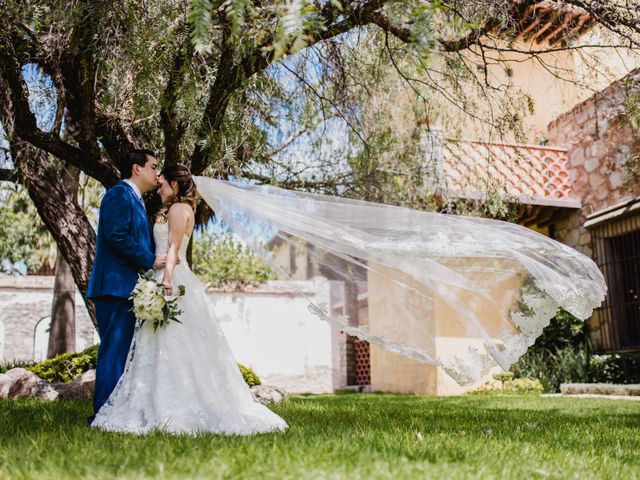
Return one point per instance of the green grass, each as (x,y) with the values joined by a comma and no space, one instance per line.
(343,436)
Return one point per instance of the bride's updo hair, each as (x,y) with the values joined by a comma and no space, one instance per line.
(185,189)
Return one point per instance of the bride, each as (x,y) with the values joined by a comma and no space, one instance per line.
(182,378)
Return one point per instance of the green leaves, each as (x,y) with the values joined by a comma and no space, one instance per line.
(199,17)
(67,366)
(250,377)
(220,260)
(150,303)
(23,237)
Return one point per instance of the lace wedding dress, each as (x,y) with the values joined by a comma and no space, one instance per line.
(183,378)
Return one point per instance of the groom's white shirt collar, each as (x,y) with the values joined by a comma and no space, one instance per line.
(134,186)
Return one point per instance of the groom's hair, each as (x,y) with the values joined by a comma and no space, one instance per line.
(137,156)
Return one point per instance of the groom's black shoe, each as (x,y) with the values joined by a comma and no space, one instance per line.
(90,420)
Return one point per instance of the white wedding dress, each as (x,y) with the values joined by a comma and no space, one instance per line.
(183,378)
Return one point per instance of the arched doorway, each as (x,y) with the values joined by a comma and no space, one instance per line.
(41,339)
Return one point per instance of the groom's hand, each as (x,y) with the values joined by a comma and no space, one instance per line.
(161,260)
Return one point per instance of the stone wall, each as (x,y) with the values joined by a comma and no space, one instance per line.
(269,328)
(24,302)
(598,147)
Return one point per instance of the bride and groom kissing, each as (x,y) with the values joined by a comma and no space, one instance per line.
(182,378)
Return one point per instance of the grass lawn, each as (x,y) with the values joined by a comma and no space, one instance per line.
(343,436)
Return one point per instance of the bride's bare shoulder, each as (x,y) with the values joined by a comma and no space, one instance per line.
(180,210)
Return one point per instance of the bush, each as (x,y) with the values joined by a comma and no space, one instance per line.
(4,367)
(615,368)
(249,376)
(69,366)
(505,383)
(564,331)
(222,260)
(606,369)
(568,365)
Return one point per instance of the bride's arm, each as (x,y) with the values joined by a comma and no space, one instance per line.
(178,218)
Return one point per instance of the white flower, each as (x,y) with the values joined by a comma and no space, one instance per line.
(149,303)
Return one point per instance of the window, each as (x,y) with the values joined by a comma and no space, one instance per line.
(615,325)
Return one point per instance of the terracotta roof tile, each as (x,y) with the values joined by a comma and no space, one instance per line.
(533,174)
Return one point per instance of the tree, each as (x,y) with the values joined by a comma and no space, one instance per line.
(25,244)
(193,81)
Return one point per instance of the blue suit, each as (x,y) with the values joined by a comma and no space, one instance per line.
(124,248)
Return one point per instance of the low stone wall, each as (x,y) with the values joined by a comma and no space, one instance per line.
(269,328)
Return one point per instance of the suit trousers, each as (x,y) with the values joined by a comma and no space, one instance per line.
(116,323)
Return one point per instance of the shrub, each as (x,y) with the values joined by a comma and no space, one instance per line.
(249,376)
(563,331)
(4,367)
(606,369)
(504,382)
(615,368)
(68,366)
(220,259)
(568,365)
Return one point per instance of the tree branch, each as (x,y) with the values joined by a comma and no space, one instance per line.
(7,175)
(171,126)
(78,74)
(231,75)
(295,135)
(26,127)
(611,15)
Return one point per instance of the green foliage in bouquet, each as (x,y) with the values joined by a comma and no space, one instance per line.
(67,366)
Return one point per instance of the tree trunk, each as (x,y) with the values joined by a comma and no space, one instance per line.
(62,335)
(58,209)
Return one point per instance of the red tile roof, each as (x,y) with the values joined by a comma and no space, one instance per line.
(533,174)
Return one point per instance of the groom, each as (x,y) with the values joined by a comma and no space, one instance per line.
(123,249)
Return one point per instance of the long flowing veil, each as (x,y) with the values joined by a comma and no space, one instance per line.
(463,293)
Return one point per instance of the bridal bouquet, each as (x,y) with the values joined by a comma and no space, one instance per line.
(150,303)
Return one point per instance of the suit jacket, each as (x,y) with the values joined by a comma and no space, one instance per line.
(124,246)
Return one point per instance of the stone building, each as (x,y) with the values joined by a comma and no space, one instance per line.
(572,189)
(607,226)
